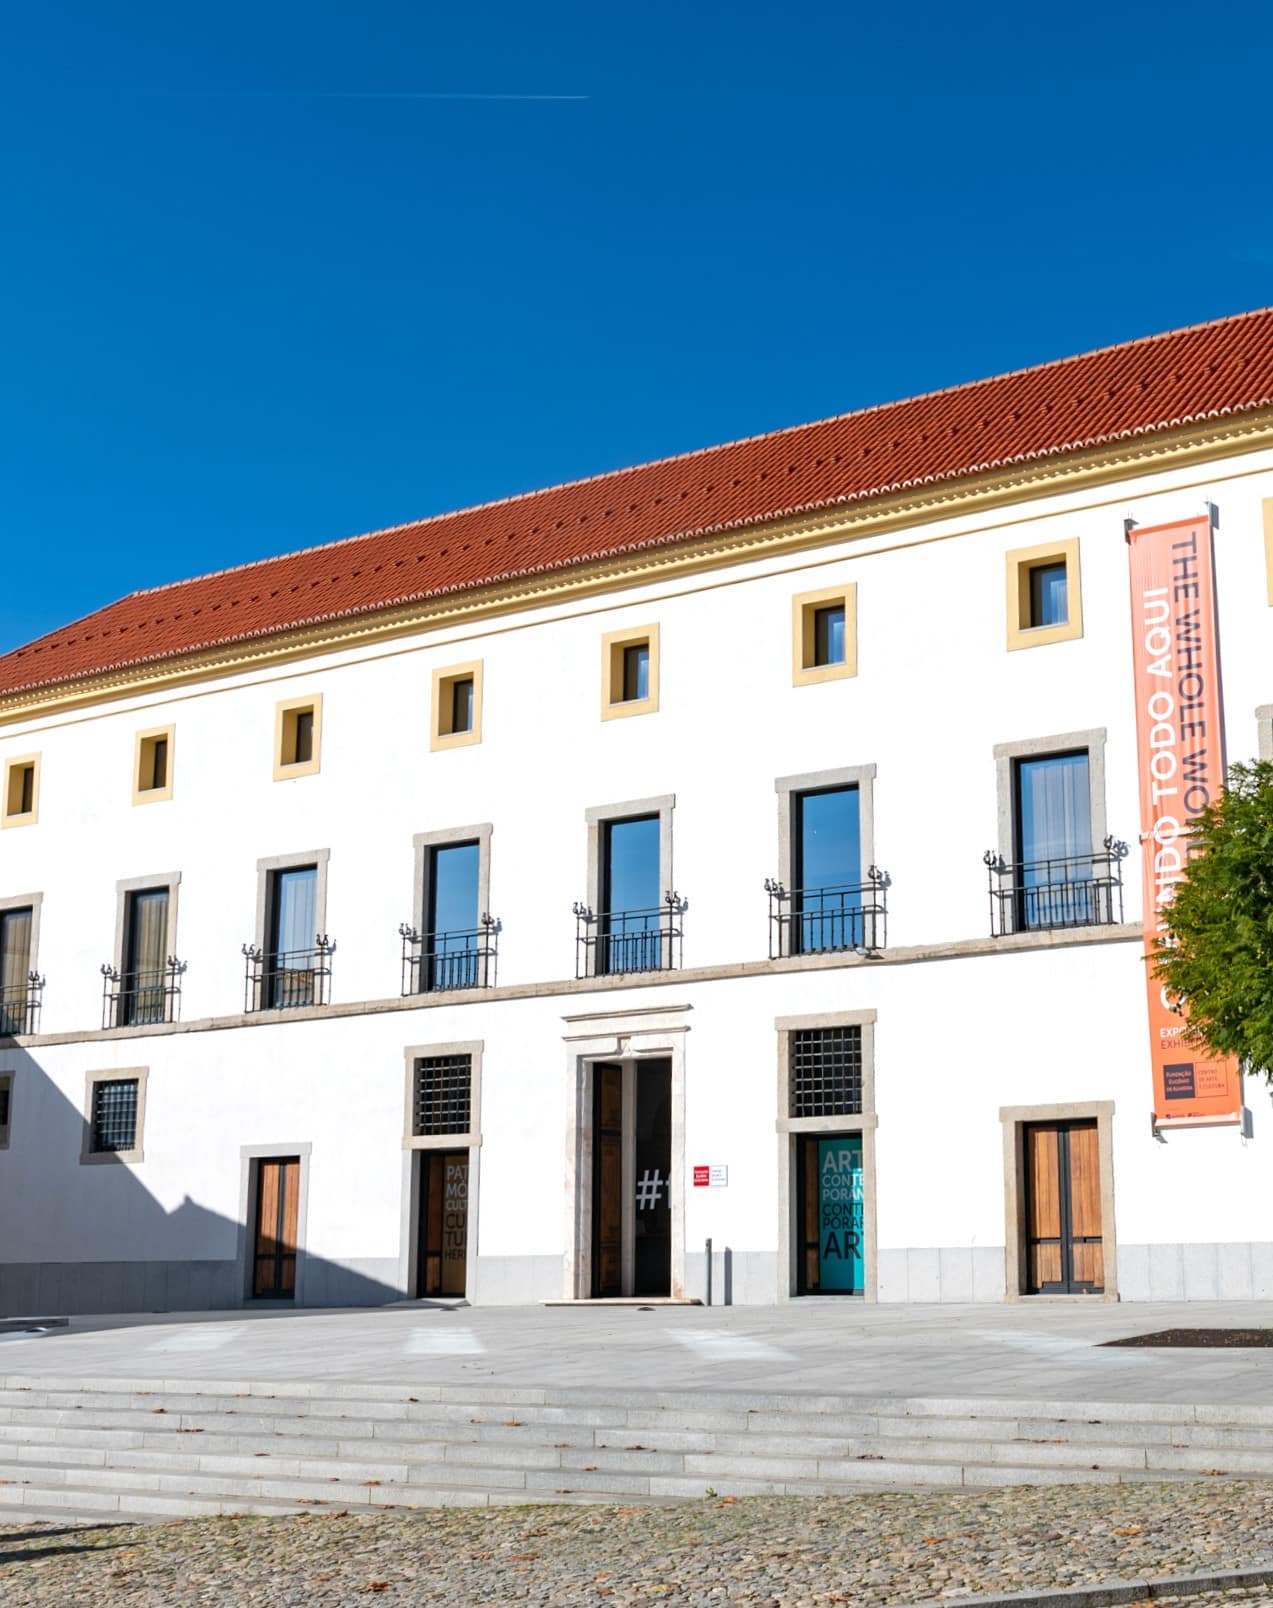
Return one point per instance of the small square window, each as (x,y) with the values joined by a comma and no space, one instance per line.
(1043,595)
(824,635)
(457,706)
(21,798)
(297,737)
(114,1114)
(152,780)
(630,672)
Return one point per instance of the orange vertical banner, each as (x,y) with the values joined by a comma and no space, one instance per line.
(1180,760)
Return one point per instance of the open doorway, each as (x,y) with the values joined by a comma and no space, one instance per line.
(631,1182)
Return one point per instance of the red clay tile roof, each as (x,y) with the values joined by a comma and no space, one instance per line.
(1128,390)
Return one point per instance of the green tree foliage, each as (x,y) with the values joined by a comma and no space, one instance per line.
(1217,952)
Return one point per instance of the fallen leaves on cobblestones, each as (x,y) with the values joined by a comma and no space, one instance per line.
(792,1552)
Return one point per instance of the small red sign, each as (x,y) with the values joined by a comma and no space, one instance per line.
(702,1177)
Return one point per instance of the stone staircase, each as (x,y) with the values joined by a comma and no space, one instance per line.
(163,1448)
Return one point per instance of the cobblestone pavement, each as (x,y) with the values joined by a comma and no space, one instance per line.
(897,1547)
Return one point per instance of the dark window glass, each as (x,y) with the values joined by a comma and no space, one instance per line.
(630,893)
(15,967)
(1054,841)
(115,1115)
(159,763)
(462,704)
(1048,600)
(304,745)
(452,943)
(827,898)
(828,635)
(4,1105)
(636,672)
(143,997)
(289,973)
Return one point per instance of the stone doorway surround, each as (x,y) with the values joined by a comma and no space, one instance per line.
(1015,1120)
(789,1129)
(629,1037)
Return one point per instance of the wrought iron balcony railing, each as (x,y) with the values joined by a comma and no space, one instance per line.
(139,999)
(434,961)
(629,940)
(1077,890)
(20,1006)
(289,979)
(814,921)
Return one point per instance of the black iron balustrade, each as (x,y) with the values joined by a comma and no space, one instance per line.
(842,916)
(20,1006)
(434,961)
(142,998)
(288,979)
(629,940)
(1075,890)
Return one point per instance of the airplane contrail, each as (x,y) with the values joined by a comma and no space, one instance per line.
(352,94)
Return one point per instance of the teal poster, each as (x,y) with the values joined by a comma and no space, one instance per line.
(840,1238)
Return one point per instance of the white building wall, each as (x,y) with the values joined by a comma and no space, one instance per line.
(956,1037)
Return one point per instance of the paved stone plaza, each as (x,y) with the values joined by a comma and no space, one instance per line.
(841,1348)
(872,1547)
(780,1552)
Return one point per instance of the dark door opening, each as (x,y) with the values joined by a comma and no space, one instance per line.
(607,1180)
(1064,1248)
(442,1237)
(631,1151)
(274,1241)
(830,1230)
(652,1227)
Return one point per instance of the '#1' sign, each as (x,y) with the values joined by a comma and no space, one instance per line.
(1180,759)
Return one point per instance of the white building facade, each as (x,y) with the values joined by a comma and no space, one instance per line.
(898,1072)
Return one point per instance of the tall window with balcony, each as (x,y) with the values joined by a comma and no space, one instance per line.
(455,945)
(145,991)
(631,936)
(1056,884)
(826,902)
(16,986)
(293,959)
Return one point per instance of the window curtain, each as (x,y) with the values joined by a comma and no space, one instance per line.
(149,943)
(1055,810)
(15,956)
(147,951)
(297,910)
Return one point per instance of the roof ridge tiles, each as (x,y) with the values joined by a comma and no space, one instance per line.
(1171,379)
(1139,341)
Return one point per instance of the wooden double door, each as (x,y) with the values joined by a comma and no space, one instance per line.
(1064,1244)
(278,1193)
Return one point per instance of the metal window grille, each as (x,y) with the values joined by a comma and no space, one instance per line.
(826,1072)
(443,1095)
(115,1115)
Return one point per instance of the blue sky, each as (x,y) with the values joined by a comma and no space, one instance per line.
(257,293)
